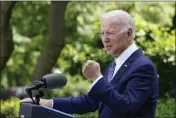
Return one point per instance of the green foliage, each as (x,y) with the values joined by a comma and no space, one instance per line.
(30,24)
(151,12)
(31,18)
(10,107)
(166,108)
(23,60)
(88,115)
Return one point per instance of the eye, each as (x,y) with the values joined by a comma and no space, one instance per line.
(101,33)
(109,33)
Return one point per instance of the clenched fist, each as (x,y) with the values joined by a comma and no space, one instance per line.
(91,70)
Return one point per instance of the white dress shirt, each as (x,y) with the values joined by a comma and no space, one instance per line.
(119,61)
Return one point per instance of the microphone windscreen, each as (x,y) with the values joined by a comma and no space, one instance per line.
(55,80)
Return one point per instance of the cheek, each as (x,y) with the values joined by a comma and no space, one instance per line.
(117,43)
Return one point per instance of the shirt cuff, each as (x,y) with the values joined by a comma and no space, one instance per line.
(90,87)
(52,103)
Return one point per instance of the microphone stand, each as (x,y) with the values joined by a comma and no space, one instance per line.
(29,93)
(37,97)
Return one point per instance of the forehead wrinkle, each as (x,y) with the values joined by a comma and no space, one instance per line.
(110,24)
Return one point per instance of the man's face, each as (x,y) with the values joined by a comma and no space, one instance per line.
(113,39)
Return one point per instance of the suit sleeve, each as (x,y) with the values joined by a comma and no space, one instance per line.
(136,92)
(80,105)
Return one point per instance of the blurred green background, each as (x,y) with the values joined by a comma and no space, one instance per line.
(38,38)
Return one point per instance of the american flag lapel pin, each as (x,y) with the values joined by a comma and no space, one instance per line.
(125,65)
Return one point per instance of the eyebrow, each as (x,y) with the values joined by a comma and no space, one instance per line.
(111,29)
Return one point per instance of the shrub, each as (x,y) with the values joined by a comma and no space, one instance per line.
(166,108)
(10,107)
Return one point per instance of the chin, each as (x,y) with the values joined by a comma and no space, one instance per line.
(115,55)
(110,53)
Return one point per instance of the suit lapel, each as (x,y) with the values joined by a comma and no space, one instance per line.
(122,70)
(126,65)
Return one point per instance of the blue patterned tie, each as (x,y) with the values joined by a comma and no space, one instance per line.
(111,70)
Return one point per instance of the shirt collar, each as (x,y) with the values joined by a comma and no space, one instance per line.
(126,54)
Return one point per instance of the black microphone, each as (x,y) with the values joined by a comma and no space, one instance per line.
(55,80)
(50,81)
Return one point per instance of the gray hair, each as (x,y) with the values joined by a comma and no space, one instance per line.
(126,20)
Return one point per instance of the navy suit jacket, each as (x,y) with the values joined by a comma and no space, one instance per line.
(133,92)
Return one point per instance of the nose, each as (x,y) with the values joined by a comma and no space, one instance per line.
(105,38)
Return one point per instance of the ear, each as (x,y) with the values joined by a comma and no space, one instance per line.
(129,32)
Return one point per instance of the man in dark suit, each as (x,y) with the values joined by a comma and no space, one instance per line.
(129,86)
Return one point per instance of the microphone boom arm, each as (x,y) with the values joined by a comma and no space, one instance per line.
(38,86)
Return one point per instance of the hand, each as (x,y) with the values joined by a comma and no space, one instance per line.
(91,70)
(43,102)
